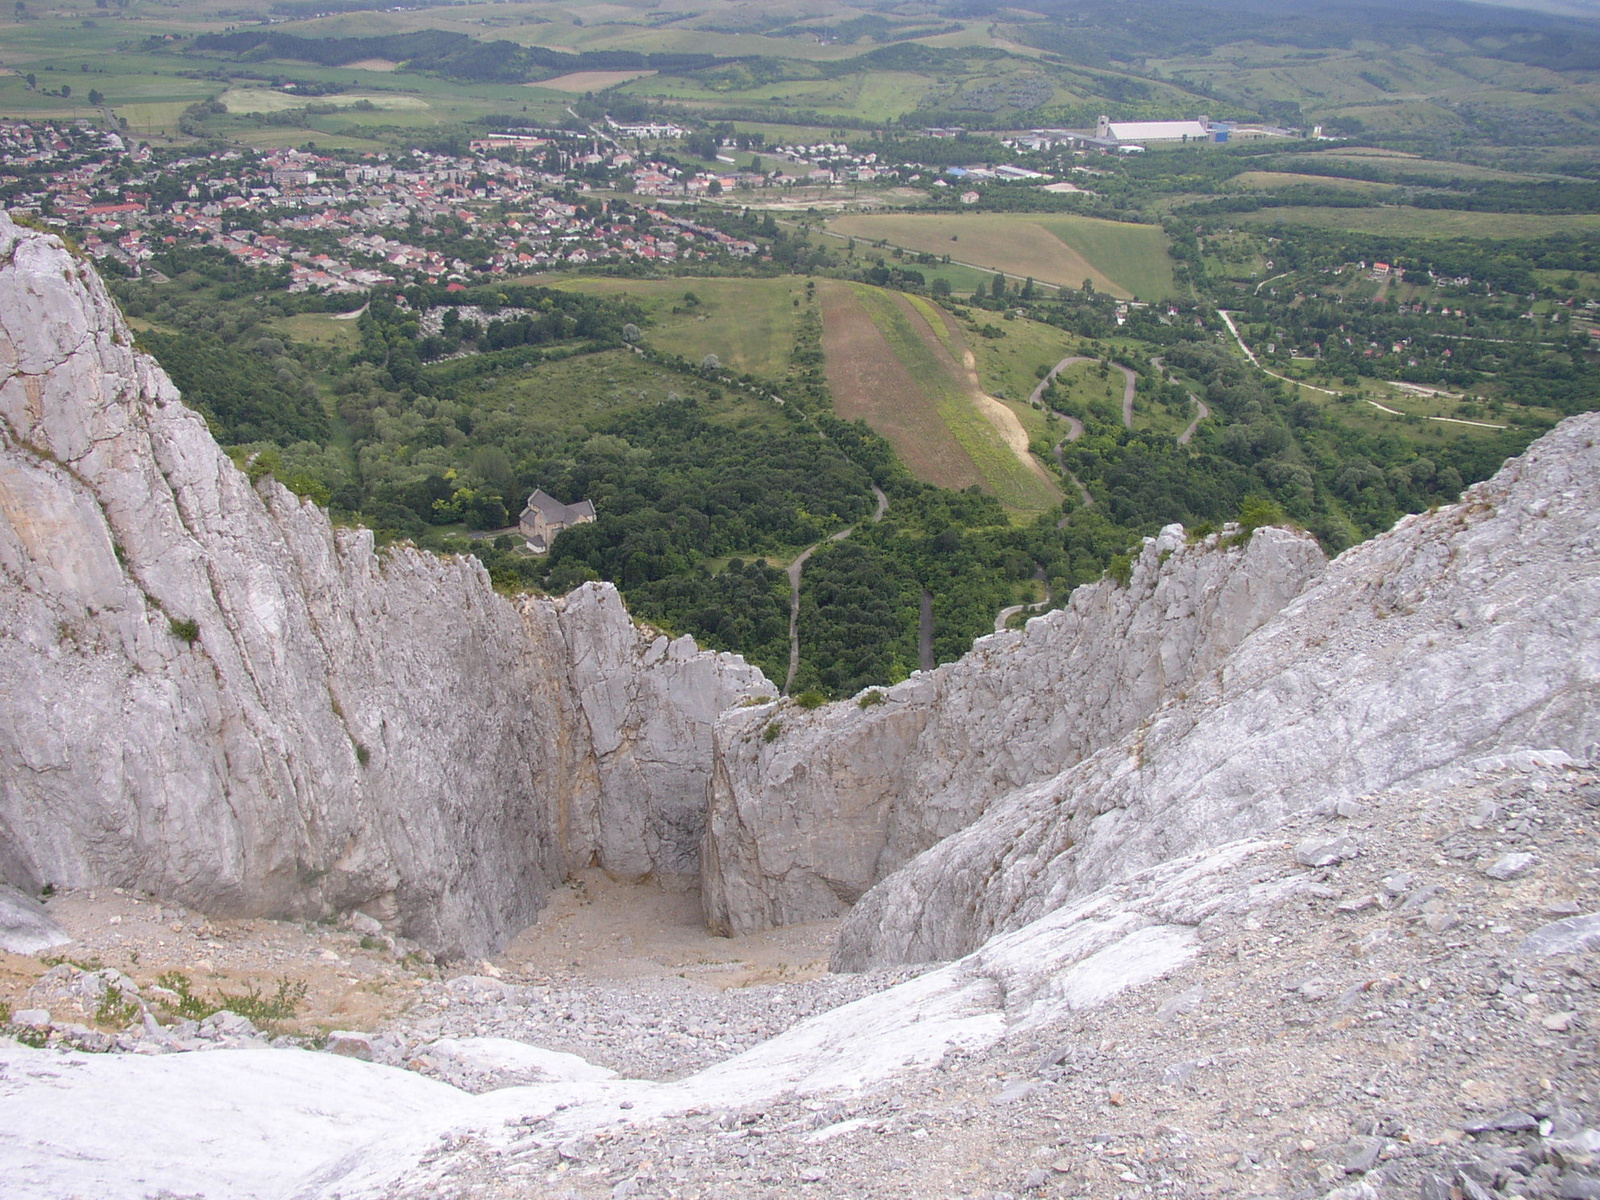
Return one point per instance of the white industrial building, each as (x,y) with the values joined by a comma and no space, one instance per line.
(1156,131)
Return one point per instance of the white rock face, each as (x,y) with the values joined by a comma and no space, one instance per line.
(801,826)
(1468,632)
(647,706)
(347,727)
(239,1124)
(25,927)
(384,1125)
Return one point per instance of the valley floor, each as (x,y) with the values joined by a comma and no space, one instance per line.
(1396,999)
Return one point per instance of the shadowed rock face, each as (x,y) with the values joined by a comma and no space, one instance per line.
(801,826)
(1469,632)
(208,692)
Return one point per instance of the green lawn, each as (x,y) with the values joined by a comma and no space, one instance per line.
(581,392)
(322,328)
(749,324)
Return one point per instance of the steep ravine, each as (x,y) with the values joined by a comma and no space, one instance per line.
(1266,876)
(810,809)
(339,727)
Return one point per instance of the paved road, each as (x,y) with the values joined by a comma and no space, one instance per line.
(797,566)
(1248,353)
(1202,411)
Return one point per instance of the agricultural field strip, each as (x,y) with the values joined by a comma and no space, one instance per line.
(870,382)
(954,262)
(997,420)
(1124,259)
(1405,221)
(922,362)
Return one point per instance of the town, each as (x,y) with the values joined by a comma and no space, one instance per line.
(515,201)
(350,223)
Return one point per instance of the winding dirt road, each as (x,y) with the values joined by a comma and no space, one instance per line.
(1202,410)
(795,569)
(1130,382)
(1006,614)
(1075,426)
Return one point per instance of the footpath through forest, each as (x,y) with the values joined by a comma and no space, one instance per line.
(797,566)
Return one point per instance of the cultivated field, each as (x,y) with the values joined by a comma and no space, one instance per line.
(579,82)
(903,367)
(1123,259)
(264,100)
(1404,221)
(1368,161)
(1269,181)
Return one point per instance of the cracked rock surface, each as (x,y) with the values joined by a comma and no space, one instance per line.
(212,694)
(1464,633)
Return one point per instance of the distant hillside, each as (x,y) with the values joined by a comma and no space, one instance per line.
(451,54)
(1132,31)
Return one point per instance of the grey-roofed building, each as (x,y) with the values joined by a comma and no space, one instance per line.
(545,516)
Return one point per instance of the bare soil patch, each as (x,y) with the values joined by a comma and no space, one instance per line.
(999,414)
(351,982)
(596,928)
(372,64)
(870,383)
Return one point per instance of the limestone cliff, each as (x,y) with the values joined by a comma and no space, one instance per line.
(1469,632)
(213,694)
(842,796)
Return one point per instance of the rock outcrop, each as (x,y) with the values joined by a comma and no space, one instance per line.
(211,693)
(647,707)
(25,927)
(803,824)
(1467,632)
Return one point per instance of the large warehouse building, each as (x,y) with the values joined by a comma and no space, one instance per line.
(1130,132)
